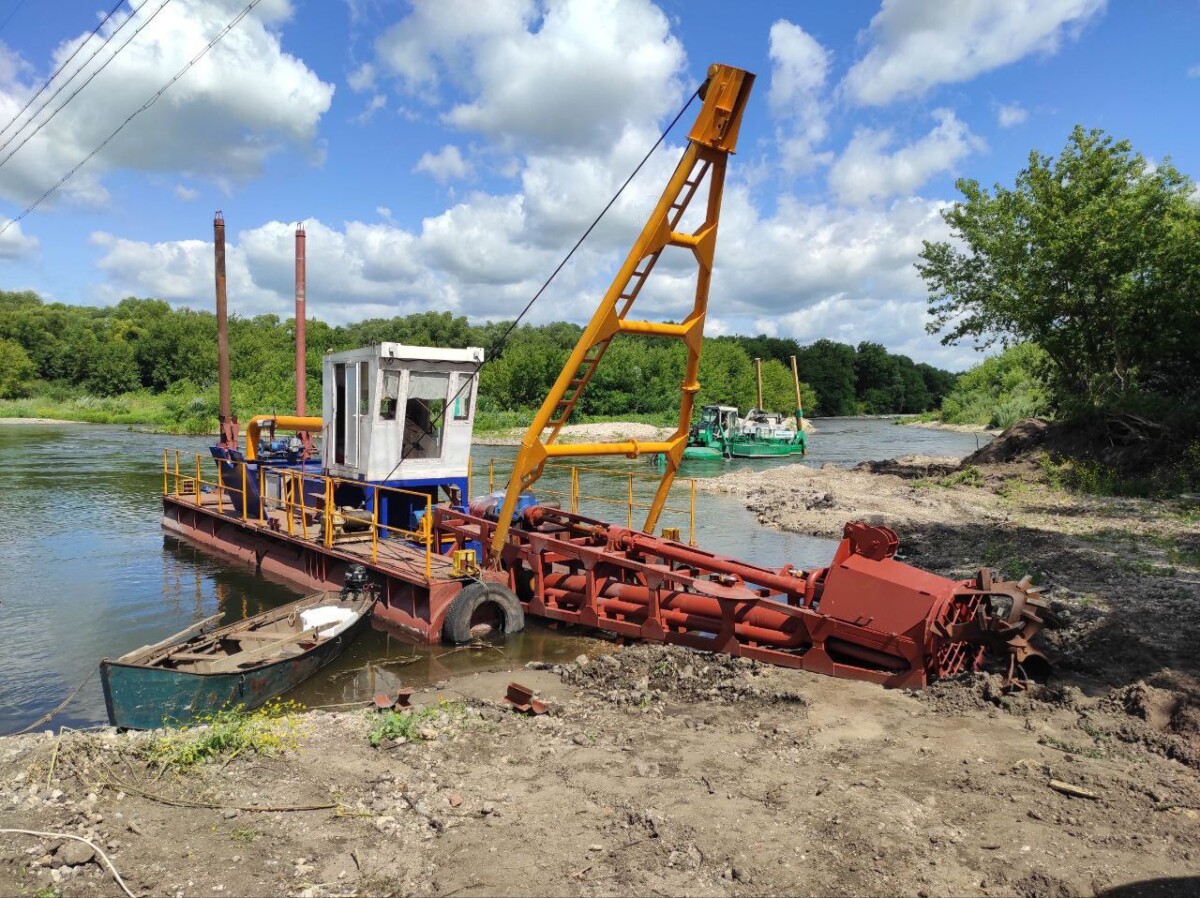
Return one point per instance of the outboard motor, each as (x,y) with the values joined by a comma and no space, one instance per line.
(357,580)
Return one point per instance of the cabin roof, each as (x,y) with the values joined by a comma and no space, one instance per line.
(471,355)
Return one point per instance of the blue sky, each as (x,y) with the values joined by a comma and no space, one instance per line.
(445,155)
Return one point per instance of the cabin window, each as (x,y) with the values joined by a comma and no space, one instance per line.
(339,406)
(424,414)
(389,397)
(364,388)
(462,397)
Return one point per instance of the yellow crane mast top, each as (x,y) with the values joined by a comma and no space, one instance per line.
(712,138)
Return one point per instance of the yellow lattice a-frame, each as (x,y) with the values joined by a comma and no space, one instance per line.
(712,138)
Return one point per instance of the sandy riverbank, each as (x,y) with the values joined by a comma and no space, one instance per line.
(38,421)
(954,428)
(658,771)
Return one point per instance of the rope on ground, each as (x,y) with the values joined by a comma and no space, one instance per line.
(50,714)
(96,848)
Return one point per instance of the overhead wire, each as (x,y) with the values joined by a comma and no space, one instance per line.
(499,343)
(86,82)
(66,62)
(150,102)
(12,12)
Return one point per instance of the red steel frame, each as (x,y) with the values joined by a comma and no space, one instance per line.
(865,617)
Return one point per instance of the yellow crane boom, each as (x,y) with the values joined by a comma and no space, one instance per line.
(712,138)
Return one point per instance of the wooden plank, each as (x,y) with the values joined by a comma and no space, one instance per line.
(262,653)
(171,640)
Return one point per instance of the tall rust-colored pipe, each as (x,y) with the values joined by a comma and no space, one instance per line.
(224,411)
(301,352)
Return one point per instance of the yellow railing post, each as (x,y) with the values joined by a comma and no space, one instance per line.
(289,499)
(328,514)
(197,479)
(304,509)
(491,475)
(176,472)
(375,524)
(574,489)
(262,495)
(428,538)
(470,468)
(164,472)
(692,515)
(245,513)
(630,501)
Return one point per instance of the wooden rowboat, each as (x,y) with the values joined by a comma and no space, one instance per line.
(199,671)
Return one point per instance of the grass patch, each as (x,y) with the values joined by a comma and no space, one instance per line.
(244,835)
(270,730)
(419,724)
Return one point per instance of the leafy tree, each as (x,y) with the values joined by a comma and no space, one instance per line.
(16,370)
(829,367)
(114,369)
(1001,390)
(779,393)
(1094,255)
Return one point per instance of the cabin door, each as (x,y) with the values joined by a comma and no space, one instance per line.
(350,406)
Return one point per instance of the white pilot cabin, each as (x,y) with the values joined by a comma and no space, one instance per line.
(401,416)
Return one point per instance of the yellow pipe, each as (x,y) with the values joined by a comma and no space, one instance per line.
(281,422)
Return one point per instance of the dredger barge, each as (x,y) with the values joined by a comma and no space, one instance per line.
(391,491)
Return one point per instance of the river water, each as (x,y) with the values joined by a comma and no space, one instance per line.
(86,572)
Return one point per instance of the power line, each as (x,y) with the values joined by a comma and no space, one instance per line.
(11,13)
(162,90)
(67,62)
(101,68)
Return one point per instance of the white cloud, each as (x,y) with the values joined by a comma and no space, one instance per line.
(209,124)
(447,164)
(1011,114)
(362,78)
(914,45)
(185,193)
(867,172)
(377,102)
(15,245)
(800,66)
(586,70)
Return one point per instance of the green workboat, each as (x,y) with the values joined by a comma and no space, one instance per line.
(708,439)
(198,672)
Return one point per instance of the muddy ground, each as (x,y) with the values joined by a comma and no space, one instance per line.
(661,771)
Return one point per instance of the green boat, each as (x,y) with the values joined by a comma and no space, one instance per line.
(708,439)
(198,672)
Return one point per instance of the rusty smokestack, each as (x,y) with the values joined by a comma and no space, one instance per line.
(301,352)
(224,412)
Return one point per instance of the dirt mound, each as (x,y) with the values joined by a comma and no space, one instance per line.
(642,674)
(911,467)
(1018,442)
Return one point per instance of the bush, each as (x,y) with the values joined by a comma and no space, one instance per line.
(16,370)
(1001,390)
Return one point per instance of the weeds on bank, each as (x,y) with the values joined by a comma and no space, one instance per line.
(417,724)
(272,729)
(1167,480)
(968,476)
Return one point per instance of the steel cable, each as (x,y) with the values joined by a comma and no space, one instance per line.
(499,344)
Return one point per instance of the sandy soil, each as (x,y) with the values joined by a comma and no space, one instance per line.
(37,421)
(658,771)
(956,428)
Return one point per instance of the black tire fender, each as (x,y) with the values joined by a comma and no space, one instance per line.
(456,627)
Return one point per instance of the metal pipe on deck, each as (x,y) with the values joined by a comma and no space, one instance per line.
(301,349)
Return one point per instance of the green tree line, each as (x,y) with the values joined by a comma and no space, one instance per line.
(145,347)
